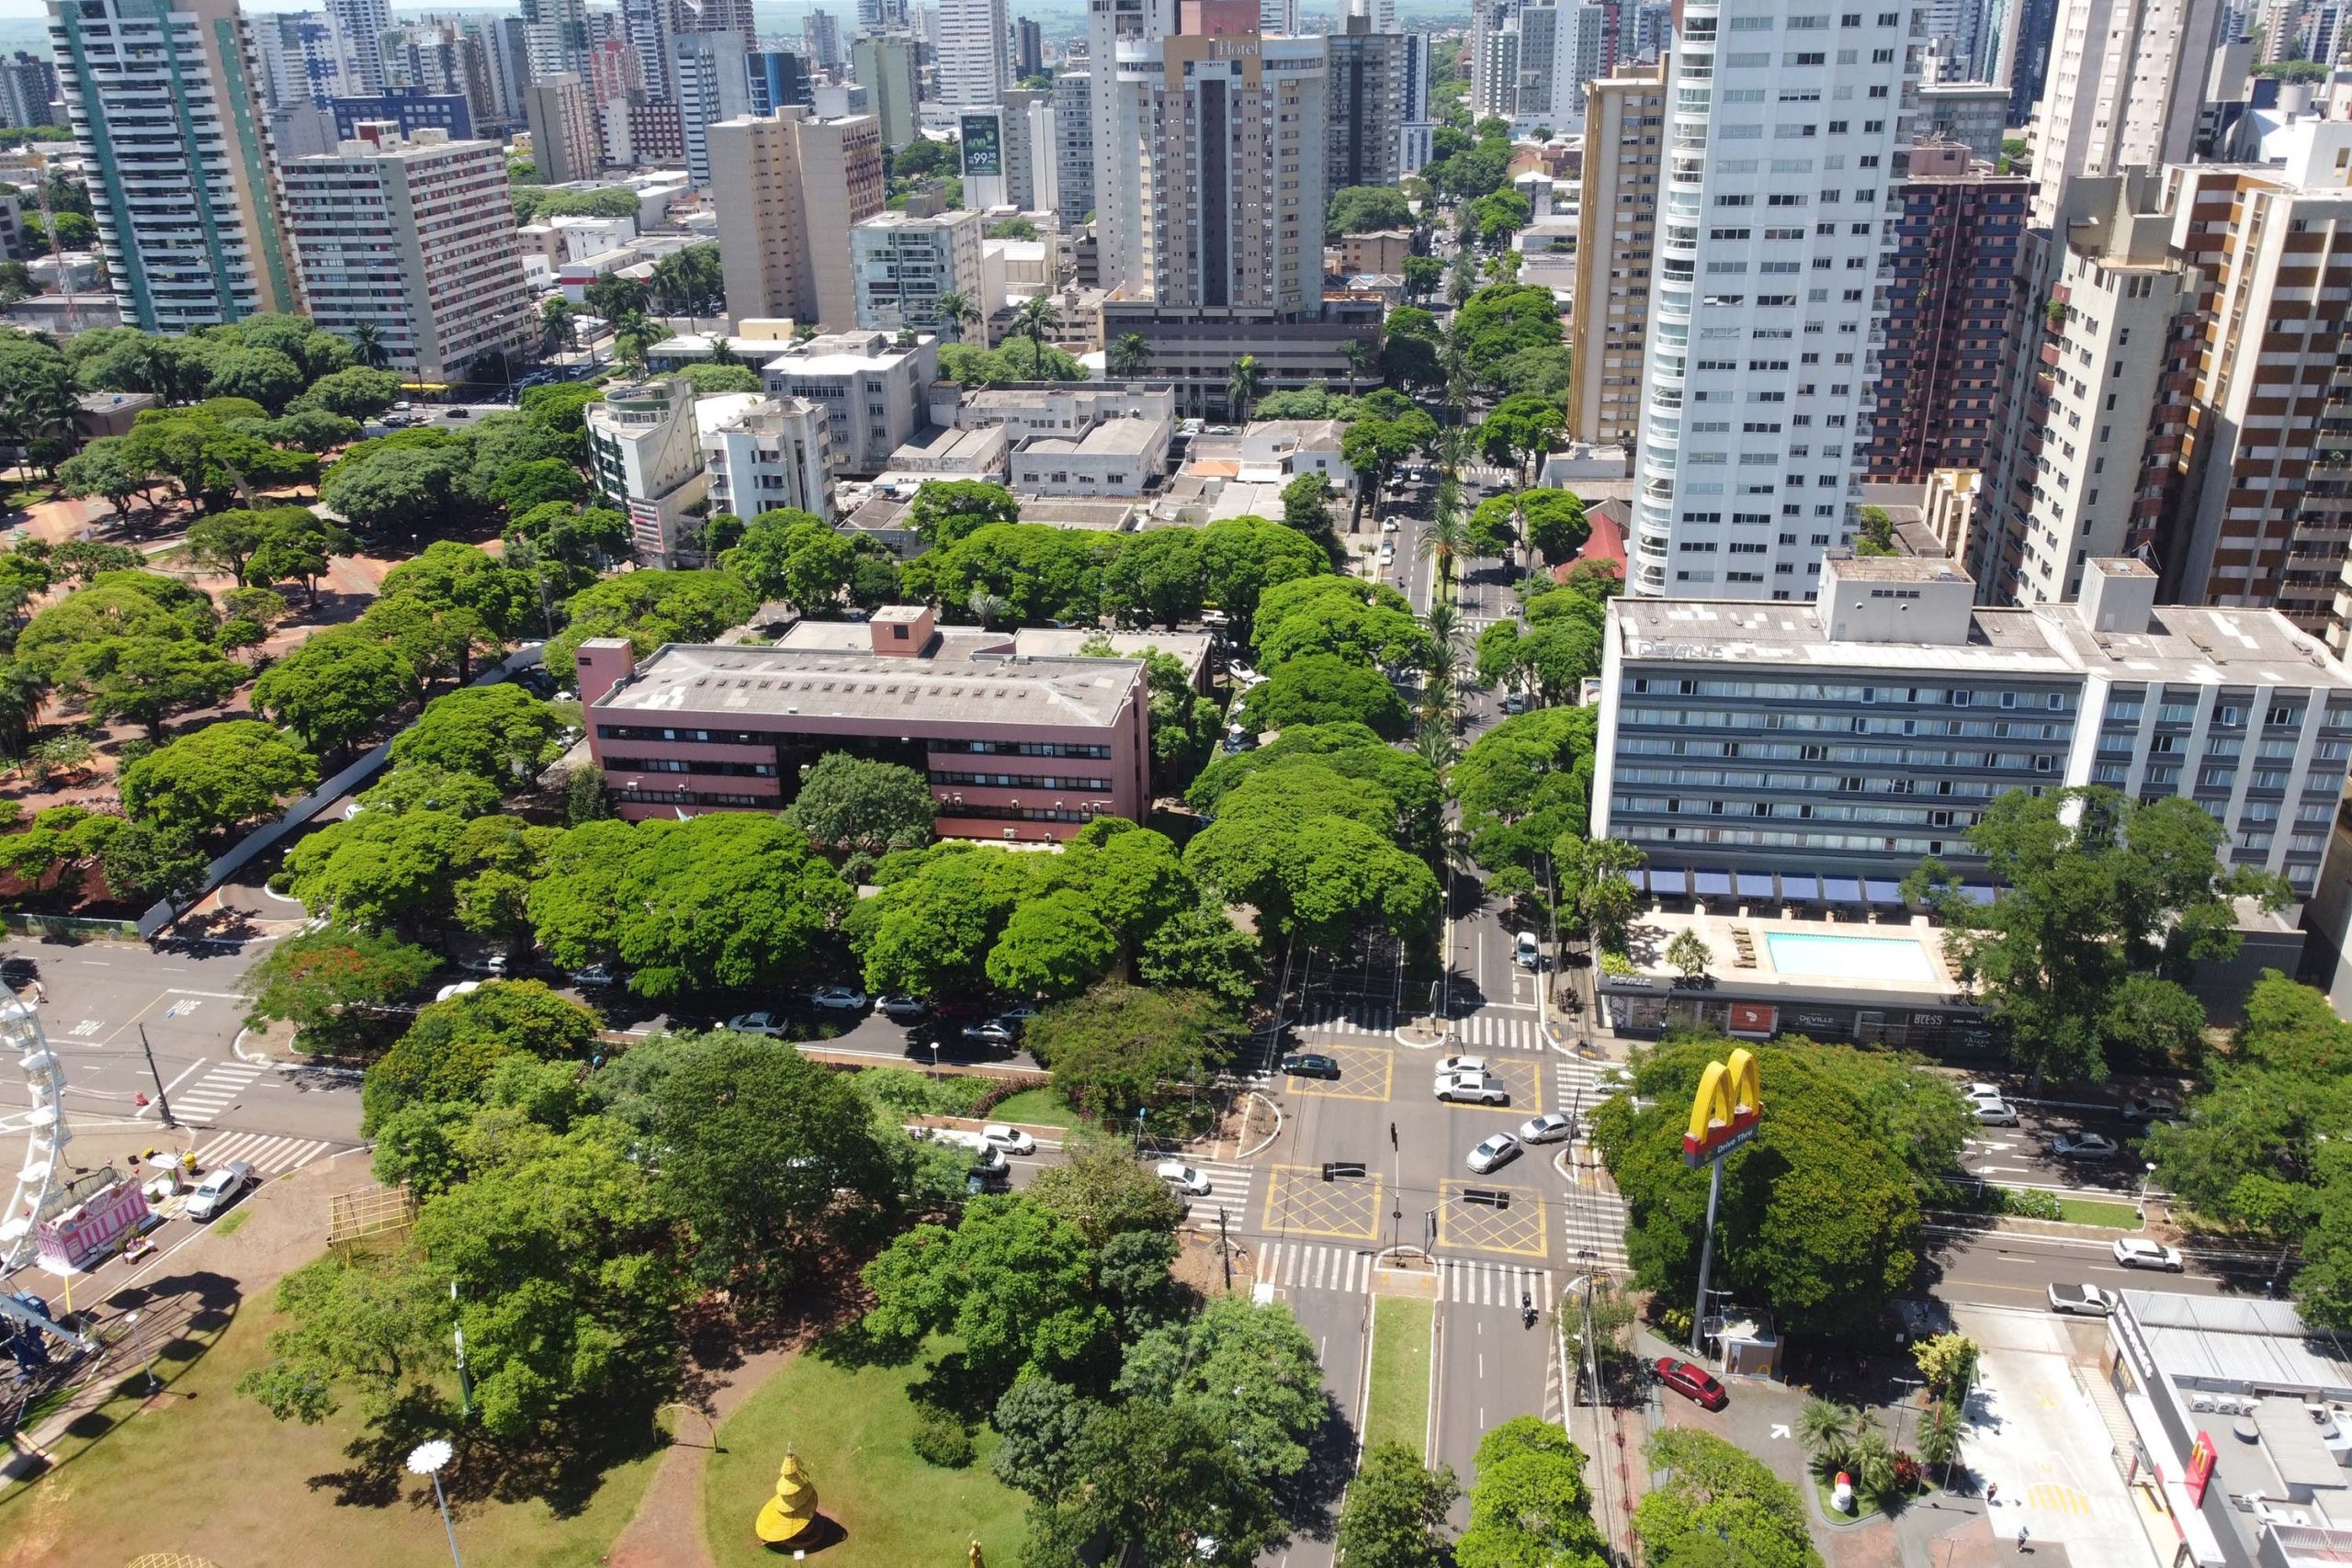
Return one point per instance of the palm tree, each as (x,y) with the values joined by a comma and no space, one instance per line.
(986,606)
(1242,387)
(367,347)
(1436,745)
(1872,1460)
(955,308)
(1358,353)
(1940,1429)
(1033,319)
(1128,354)
(1447,627)
(557,330)
(723,352)
(1447,541)
(1829,1430)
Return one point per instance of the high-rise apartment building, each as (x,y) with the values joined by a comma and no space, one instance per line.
(1415,119)
(565,143)
(1074,145)
(903,265)
(1624,141)
(1975,114)
(28,87)
(646,27)
(2028,35)
(761,453)
(2263,509)
(1122,133)
(2126,82)
(1956,244)
(168,117)
(1854,736)
(558,30)
(1529,60)
(822,31)
(1365,101)
(1232,172)
(1381,14)
(713,83)
(2095,404)
(1028,50)
(300,53)
(363,24)
(788,188)
(1032,166)
(883,64)
(1788,131)
(416,239)
(778,77)
(975,53)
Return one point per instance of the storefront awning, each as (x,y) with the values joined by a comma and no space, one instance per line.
(1754,887)
(1842,889)
(1800,888)
(1710,884)
(1884,893)
(1666,884)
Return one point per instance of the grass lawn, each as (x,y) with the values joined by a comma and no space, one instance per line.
(1035,1108)
(2092,1211)
(1397,1404)
(207,1471)
(851,1426)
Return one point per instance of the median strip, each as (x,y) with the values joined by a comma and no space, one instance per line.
(1396,1397)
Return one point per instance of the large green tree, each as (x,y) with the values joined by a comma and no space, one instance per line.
(1396,1510)
(1530,1505)
(500,733)
(1119,1048)
(335,984)
(650,608)
(447,1053)
(1324,689)
(852,804)
(335,689)
(1718,1505)
(218,777)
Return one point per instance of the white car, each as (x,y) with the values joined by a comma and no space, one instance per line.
(839,998)
(1183,1177)
(2083,1145)
(2133,1253)
(1493,1153)
(459,989)
(1995,1112)
(1527,951)
(1448,1065)
(595,975)
(2083,1301)
(1548,1128)
(484,964)
(220,1183)
(1018,1013)
(1011,1140)
(765,1023)
(1616,1080)
(1479,1087)
(1982,1090)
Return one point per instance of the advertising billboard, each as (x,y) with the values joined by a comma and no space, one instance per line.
(983,137)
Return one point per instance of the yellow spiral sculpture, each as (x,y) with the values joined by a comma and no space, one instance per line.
(793,1508)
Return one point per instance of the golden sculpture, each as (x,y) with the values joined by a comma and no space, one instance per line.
(793,1508)
(975,1560)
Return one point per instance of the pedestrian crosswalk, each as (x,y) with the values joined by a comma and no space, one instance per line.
(1312,1266)
(1491,1029)
(268,1156)
(1472,1283)
(1229,1189)
(1339,1018)
(199,1103)
(1592,1217)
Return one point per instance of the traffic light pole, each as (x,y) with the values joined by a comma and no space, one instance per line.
(162,1101)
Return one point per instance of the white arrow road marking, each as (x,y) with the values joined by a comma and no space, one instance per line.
(1779,1430)
(86,1027)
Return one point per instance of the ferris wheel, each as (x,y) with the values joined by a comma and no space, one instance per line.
(44,1168)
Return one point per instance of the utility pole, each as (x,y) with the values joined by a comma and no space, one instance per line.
(1225,1249)
(161,1100)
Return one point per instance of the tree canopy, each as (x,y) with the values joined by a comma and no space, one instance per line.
(218,777)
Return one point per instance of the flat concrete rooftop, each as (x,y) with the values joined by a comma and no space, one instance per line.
(827,683)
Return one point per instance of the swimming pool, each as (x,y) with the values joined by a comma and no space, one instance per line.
(1849,957)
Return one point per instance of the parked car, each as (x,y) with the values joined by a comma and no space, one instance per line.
(1182,1177)
(1449,1065)
(1493,1153)
(1514,701)
(220,1184)
(902,1007)
(1693,1383)
(2083,1146)
(992,1031)
(2083,1301)
(1009,1139)
(1616,1080)
(1996,1112)
(459,989)
(988,1173)
(1480,1089)
(484,964)
(1549,1128)
(839,998)
(595,975)
(1527,951)
(2151,1108)
(2131,1252)
(1310,1064)
(1018,1013)
(765,1023)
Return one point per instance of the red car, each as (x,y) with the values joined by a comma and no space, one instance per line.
(1692,1383)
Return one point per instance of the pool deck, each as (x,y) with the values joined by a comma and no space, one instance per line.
(1745,967)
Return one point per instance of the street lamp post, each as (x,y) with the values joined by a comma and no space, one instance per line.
(2146,1177)
(427,1459)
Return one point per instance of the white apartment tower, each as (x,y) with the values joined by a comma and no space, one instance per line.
(712,85)
(363,24)
(415,238)
(975,53)
(1123,131)
(2126,82)
(1787,129)
(167,116)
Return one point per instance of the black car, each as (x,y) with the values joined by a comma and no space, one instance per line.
(1310,1064)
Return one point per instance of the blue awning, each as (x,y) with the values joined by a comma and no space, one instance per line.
(1842,889)
(1754,887)
(1977,892)
(1710,884)
(1800,888)
(1883,892)
(1667,884)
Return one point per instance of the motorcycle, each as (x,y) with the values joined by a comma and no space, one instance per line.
(1527,1309)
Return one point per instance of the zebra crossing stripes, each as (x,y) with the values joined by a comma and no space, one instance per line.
(209,1096)
(1310,1266)
(1593,1225)
(1471,1283)
(1331,1018)
(268,1156)
(1496,1030)
(1229,1189)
